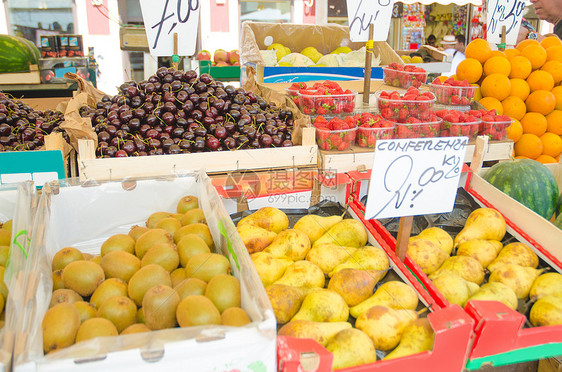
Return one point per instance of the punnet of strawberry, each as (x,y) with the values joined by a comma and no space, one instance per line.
(416,128)
(452,92)
(335,134)
(326,98)
(371,128)
(456,123)
(493,125)
(293,91)
(397,75)
(414,103)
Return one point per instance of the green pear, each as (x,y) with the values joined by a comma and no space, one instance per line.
(426,254)
(394,294)
(367,258)
(315,226)
(549,284)
(268,267)
(437,236)
(496,291)
(285,301)
(350,348)
(467,267)
(321,332)
(385,325)
(323,305)
(269,218)
(355,286)
(547,311)
(291,244)
(329,255)
(484,251)
(518,278)
(302,274)
(255,238)
(453,287)
(482,223)
(347,233)
(416,338)
(515,253)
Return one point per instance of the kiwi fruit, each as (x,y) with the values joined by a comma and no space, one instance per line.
(137,231)
(2,303)
(146,278)
(95,327)
(195,228)
(187,203)
(235,316)
(66,256)
(135,328)
(96,259)
(64,295)
(151,238)
(190,245)
(4,255)
(60,325)
(170,224)
(85,309)
(177,216)
(190,287)
(109,288)
(140,315)
(119,264)
(87,256)
(197,310)
(5,237)
(83,277)
(154,218)
(118,242)
(205,266)
(7,225)
(57,280)
(120,310)
(224,291)
(193,216)
(159,306)
(177,276)
(3,287)
(162,254)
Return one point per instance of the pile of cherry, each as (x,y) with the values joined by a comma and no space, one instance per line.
(177,112)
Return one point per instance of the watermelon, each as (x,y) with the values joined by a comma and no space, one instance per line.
(559,206)
(527,181)
(558,222)
(35,53)
(15,55)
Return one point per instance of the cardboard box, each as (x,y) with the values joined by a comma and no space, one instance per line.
(53,69)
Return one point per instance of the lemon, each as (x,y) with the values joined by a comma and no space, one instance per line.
(319,65)
(406,59)
(280,50)
(417,59)
(342,49)
(284,64)
(312,53)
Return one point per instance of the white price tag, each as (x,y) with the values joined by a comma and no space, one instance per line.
(163,18)
(361,13)
(415,176)
(506,13)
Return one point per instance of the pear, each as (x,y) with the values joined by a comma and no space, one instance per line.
(467,267)
(302,274)
(549,284)
(385,325)
(291,244)
(454,288)
(394,294)
(351,347)
(484,251)
(285,301)
(438,236)
(255,238)
(347,233)
(329,255)
(354,285)
(323,305)
(321,332)
(368,258)
(416,338)
(518,278)
(496,291)
(426,254)
(482,223)
(547,311)
(315,226)
(268,267)
(269,218)
(515,253)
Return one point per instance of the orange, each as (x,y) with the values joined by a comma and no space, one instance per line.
(541,101)
(520,67)
(478,49)
(554,122)
(525,43)
(491,103)
(549,41)
(515,131)
(557,91)
(551,144)
(498,53)
(534,123)
(536,54)
(555,69)
(510,53)
(514,107)
(540,80)
(545,159)
(497,86)
(519,88)
(497,65)
(469,69)
(554,53)
(529,145)
(520,157)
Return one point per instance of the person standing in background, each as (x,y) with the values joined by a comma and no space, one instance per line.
(546,10)
(454,45)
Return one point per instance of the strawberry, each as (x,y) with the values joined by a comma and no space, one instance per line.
(413,120)
(455,130)
(465,101)
(321,111)
(335,140)
(386,113)
(403,114)
(413,90)
(323,135)
(416,83)
(437,81)
(297,86)
(455,100)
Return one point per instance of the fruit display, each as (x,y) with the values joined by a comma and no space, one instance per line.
(397,75)
(5,241)
(455,123)
(452,92)
(293,91)
(414,103)
(220,57)
(494,126)
(17,54)
(336,134)
(310,56)
(416,128)
(371,128)
(177,112)
(326,98)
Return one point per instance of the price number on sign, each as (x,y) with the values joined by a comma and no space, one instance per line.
(362,13)
(415,176)
(506,13)
(163,18)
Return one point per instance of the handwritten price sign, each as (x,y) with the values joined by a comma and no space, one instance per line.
(361,13)
(163,18)
(415,176)
(506,13)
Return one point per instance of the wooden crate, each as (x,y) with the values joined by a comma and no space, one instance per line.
(31,77)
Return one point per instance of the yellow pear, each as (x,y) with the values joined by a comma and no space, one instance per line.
(315,226)
(268,267)
(368,258)
(454,288)
(467,267)
(329,255)
(394,294)
(347,233)
(285,301)
(384,325)
(355,286)
(303,274)
(321,332)
(518,278)
(416,338)
(255,238)
(426,254)
(547,311)
(291,244)
(439,237)
(496,291)
(484,251)
(351,347)
(482,223)
(323,305)
(549,284)
(515,253)
(269,218)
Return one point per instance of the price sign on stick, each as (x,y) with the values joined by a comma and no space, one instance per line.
(506,13)
(362,13)
(163,18)
(415,176)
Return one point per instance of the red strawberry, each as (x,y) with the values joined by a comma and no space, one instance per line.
(455,100)
(403,114)
(386,113)
(464,101)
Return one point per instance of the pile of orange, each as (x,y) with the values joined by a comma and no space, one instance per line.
(525,84)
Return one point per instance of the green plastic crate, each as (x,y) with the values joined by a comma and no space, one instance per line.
(225,73)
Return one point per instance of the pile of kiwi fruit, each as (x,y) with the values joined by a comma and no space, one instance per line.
(157,276)
(5,239)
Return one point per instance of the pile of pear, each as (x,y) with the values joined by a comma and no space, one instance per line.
(320,277)
(161,275)
(511,270)
(5,240)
